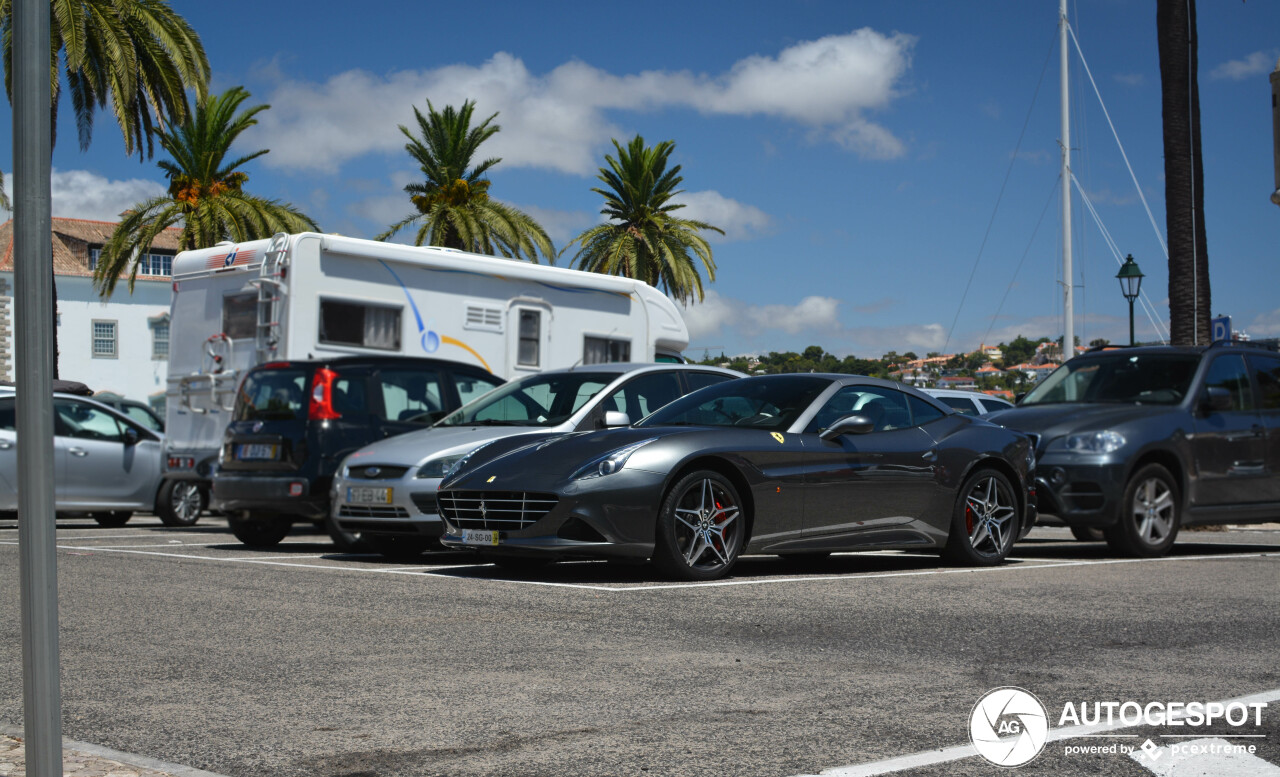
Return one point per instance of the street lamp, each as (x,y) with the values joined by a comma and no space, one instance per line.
(1130,277)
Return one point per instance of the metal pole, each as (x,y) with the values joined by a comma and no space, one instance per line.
(1131,340)
(1275,128)
(1069,301)
(33,286)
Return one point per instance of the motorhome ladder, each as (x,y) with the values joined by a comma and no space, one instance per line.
(270,283)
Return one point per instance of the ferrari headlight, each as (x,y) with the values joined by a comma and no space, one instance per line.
(610,462)
(1094,442)
(441,465)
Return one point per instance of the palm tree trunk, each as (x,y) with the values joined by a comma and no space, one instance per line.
(1189,298)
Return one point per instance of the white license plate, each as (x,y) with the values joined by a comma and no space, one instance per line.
(256,451)
(369,496)
(479,537)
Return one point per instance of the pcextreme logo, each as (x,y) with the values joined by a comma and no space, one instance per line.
(1009,726)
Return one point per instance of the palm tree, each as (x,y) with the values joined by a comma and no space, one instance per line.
(643,240)
(1189,298)
(206,193)
(453,203)
(139,54)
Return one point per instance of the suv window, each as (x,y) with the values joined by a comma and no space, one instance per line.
(1228,372)
(411,395)
(1146,379)
(271,395)
(1267,369)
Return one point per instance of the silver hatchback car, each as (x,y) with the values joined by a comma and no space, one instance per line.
(105,463)
(387,491)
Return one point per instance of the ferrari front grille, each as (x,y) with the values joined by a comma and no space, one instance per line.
(510,510)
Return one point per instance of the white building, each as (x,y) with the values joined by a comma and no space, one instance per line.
(120,345)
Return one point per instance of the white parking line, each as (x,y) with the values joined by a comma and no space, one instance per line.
(960,752)
(852,576)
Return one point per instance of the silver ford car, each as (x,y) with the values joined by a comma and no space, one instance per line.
(387,491)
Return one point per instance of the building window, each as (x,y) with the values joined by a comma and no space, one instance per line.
(602,350)
(364,326)
(104,340)
(94,255)
(530,338)
(160,341)
(155,264)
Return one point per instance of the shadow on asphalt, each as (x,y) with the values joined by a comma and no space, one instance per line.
(1094,551)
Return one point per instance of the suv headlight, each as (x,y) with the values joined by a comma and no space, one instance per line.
(1094,442)
(441,465)
(610,462)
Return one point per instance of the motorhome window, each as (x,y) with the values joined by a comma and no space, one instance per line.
(240,315)
(602,350)
(271,395)
(472,386)
(416,396)
(364,326)
(530,338)
(538,400)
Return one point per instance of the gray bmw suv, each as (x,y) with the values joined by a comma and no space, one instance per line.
(1137,442)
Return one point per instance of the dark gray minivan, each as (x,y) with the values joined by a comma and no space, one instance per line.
(294,421)
(1137,442)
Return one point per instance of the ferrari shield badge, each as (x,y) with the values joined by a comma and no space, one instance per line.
(778,436)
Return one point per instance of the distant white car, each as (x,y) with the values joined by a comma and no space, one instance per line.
(105,463)
(969,402)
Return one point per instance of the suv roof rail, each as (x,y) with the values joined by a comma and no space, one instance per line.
(1269,344)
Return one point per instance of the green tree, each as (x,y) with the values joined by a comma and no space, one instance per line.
(206,193)
(643,239)
(453,203)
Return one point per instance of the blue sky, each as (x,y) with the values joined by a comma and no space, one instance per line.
(853,152)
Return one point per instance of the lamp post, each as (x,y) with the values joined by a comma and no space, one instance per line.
(1130,277)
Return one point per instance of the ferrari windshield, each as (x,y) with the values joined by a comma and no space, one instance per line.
(546,399)
(760,403)
(1143,378)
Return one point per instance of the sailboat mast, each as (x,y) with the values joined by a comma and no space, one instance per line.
(1068,303)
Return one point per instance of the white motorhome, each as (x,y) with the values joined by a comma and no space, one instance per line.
(311,296)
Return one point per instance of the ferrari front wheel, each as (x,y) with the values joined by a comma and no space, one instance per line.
(701,528)
(984,522)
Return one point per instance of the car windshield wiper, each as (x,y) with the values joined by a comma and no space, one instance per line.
(490,422)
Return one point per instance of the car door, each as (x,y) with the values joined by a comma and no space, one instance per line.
(861,483)
(101,468)
(1229,445)
(1266,370)
(9,455)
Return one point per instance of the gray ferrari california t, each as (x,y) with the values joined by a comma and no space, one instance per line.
(780,464)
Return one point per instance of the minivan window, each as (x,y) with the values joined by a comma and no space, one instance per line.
(76,419)
(537,400)
(1144,379)
(271,395)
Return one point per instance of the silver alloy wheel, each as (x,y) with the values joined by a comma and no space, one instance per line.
(186,501)
(1152,510)
(989,515)
(707,526)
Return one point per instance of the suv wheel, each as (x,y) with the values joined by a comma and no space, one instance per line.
(260,531)
(180,502)
(1150,514)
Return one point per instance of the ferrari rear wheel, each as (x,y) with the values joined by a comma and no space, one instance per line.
(984,522)
(700,528)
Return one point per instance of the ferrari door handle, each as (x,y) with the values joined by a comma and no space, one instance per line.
(78,452)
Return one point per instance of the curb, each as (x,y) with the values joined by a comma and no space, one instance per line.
(140,761)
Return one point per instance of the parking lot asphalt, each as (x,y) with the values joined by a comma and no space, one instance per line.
(182,645)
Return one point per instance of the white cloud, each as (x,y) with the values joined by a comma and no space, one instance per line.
(83,194)
(558,121)
(1257,63)
(1130,79)
(1265,324)
(738,220)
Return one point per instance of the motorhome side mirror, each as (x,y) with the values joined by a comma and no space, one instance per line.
(1216,400)
(131,436)
(614,418)
(850,424)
